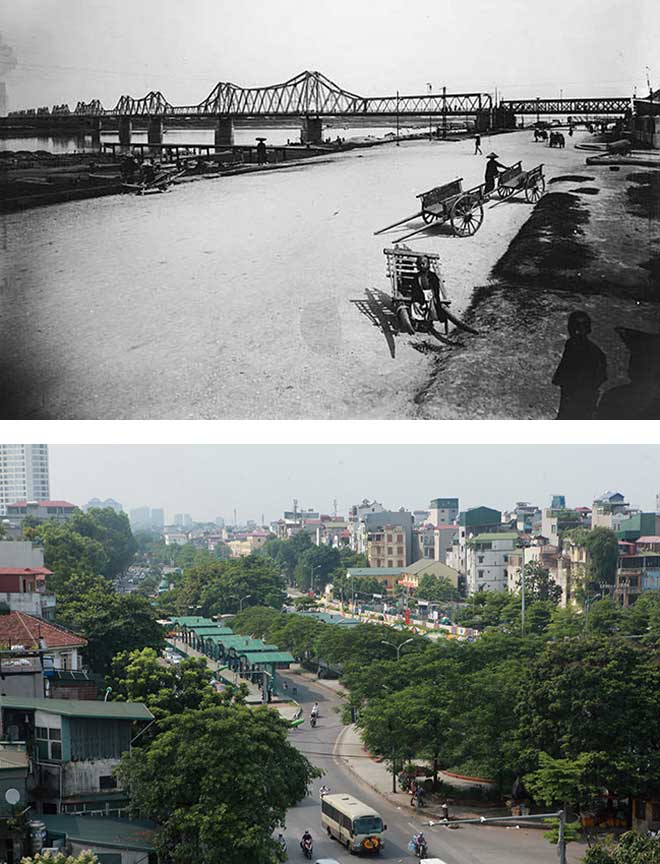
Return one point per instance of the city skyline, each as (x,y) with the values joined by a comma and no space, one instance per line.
(208,481)
(53,53)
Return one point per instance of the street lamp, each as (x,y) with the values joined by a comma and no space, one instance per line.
(430,90)
(240,602)
(397,648)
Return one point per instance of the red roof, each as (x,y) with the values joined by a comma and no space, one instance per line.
(17,628)
(25,571)
(43,504)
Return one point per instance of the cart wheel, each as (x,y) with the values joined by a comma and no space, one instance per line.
(467,214)
(404,320)
(534,189)
(427,217)
(505,191)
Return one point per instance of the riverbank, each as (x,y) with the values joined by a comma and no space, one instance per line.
(591,244)
(34,179)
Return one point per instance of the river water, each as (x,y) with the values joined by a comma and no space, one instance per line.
(254,296)
(244,136)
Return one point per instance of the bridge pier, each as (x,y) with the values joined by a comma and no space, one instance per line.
(311,131)
(155,130)
(96,128)
(125,129)
(224,132)
(482,121)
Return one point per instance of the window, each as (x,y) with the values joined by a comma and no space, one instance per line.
(107,782)
(480,574)
(49,743)
(506,558)
(481,559)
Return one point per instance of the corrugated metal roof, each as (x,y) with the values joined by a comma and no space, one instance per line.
(486,538)
(267,657)
(130,834)
(189,620)
(375,571)
(80,708)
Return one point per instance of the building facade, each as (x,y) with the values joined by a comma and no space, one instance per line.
(23,474)
(488,560)
(42,510)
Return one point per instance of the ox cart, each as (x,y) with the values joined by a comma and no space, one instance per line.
(464,209)
(402,269)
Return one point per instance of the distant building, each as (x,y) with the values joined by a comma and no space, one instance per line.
(555,521)
(219,521)
(443,540)
(638,570)
(106,504)
(176,538)
(487,561)
(246,545)
(473,521)
(443,511)
(146,519)
(23,589)
(386,546)
(60,511)
(638,525)
(605,509)
(23,474)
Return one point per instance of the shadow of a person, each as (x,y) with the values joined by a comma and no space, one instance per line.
(640,399)
(581,371)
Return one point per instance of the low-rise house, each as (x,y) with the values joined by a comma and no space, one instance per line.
(388,577)
(23,589)
(74,747)
(413,574)
(113,841)
(637,572)
(61,511)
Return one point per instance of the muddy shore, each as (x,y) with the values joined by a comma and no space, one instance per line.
(592,243)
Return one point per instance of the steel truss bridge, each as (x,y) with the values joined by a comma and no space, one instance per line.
(311,94)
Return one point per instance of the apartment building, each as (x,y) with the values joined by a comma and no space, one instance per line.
(487,560)
(23,474)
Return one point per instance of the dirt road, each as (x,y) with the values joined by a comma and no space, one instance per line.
(242,297)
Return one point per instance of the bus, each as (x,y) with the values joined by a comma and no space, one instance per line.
(356,826)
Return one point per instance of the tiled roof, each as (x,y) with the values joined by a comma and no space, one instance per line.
(42,504)
(17,628)
(25,571)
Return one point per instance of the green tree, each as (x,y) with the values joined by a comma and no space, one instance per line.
(436,589)
(631,848)
(591,696)
(139,676)
(110,622)
(539,584)
(86,857)
(113,532)
(561,781)
(218,781)
(68,553)
(314,567)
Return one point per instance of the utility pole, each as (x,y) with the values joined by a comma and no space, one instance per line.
(430,89)
(398,143)
(561,843)
(444,112)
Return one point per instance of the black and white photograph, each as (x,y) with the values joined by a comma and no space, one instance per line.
(338,210)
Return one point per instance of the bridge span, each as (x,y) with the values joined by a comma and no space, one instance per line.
(311,97)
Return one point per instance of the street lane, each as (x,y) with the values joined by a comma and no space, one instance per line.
(464,845)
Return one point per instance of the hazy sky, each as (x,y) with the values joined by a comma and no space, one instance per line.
(66,50)
(208,481)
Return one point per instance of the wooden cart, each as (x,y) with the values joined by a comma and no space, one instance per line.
(401,269)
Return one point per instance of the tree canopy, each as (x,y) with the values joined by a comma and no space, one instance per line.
(218,781)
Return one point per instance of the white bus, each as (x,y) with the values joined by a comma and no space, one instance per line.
(356,826)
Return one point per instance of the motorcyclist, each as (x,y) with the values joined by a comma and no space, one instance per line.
(315,710)
(282,842)
(324,790)
(306,843)
(420,844)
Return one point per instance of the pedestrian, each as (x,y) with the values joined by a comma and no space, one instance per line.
(492,170)
(477,145)
(581,371)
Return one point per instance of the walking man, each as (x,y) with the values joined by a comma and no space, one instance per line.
(477,145)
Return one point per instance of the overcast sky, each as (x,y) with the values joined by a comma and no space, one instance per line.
(208,481)
(66,50)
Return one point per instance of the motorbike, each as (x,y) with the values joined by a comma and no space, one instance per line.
(421,850)
(307,847)
(312,721)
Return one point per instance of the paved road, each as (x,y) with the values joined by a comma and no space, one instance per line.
(468,845)
(235,297)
